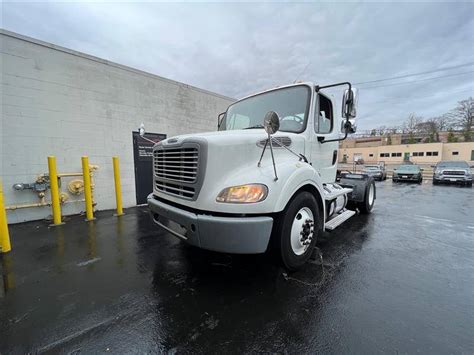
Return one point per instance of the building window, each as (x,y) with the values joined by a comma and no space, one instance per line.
(419,154)
(455,153)
(435,154)
(371,155)
(429,154)
(396,155)
(384,155)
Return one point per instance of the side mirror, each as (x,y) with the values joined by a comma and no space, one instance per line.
(141,130)
(271,122)
(472,166)
(422,169)
(349,103)
(433,166)
(395,169)
(220,118)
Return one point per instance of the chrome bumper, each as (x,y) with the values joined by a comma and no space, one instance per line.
(239,235)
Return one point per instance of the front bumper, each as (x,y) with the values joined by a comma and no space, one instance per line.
(452,178)
(407,177)
(239,235)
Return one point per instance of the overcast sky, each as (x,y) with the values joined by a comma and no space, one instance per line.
(238,49)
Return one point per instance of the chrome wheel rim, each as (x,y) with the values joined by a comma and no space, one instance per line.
(300,237)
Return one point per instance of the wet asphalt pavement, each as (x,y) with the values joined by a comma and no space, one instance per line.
(398,280)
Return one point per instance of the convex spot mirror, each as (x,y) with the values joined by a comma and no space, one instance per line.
(271,123)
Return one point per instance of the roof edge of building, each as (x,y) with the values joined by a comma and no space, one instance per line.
(104,61)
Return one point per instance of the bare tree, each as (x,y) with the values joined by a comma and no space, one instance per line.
(463,117)
(431,129)
(412,123)
(443,122)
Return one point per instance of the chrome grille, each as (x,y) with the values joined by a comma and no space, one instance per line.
(448,172)
(180,190)
(176,170)
(178,165)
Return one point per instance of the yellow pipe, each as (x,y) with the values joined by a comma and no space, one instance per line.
(118,187)
(87,188)
(5,245)
(53,180)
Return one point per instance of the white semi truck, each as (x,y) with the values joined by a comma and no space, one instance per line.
(265,179)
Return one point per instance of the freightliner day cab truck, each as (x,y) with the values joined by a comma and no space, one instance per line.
(267,177)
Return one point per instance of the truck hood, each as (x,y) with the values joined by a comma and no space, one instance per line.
(230,158)
(236,144)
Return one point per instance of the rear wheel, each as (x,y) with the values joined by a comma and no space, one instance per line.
(296,230)
(369,199)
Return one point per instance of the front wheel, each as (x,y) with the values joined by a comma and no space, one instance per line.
(296,230)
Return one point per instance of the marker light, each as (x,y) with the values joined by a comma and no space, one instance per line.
(250,193)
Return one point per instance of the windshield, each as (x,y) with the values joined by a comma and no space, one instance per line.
(291,104)
(408,167)
(453,164)
(372,168)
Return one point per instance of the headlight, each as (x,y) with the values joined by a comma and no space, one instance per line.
(250,193)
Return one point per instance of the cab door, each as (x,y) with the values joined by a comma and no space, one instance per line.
(324,155)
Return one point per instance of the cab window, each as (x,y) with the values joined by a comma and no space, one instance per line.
(323,120)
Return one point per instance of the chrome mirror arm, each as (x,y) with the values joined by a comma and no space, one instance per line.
(269,140)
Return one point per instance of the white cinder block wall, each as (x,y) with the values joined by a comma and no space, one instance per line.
(60,102)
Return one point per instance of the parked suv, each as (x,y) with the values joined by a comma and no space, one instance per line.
(452,172)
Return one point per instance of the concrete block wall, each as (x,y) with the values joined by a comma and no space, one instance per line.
(60,102)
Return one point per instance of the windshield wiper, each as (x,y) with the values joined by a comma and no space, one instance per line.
(254,127)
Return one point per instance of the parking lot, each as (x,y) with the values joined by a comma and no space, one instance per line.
(398,280)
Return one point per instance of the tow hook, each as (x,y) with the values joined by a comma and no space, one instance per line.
(307,232)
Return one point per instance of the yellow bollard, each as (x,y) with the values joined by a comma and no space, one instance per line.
(5,245)
(87,188)
(118,187)
(53,181)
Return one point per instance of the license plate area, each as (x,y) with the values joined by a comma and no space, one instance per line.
(171,226)
(405,176)
(453,180)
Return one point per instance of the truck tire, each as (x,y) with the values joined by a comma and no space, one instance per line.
(366,206)
(296,230)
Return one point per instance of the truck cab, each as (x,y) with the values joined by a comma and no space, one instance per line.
(265,179)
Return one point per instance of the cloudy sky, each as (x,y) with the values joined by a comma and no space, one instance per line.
(238,49)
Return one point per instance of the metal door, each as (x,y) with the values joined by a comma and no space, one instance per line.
(143,161)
